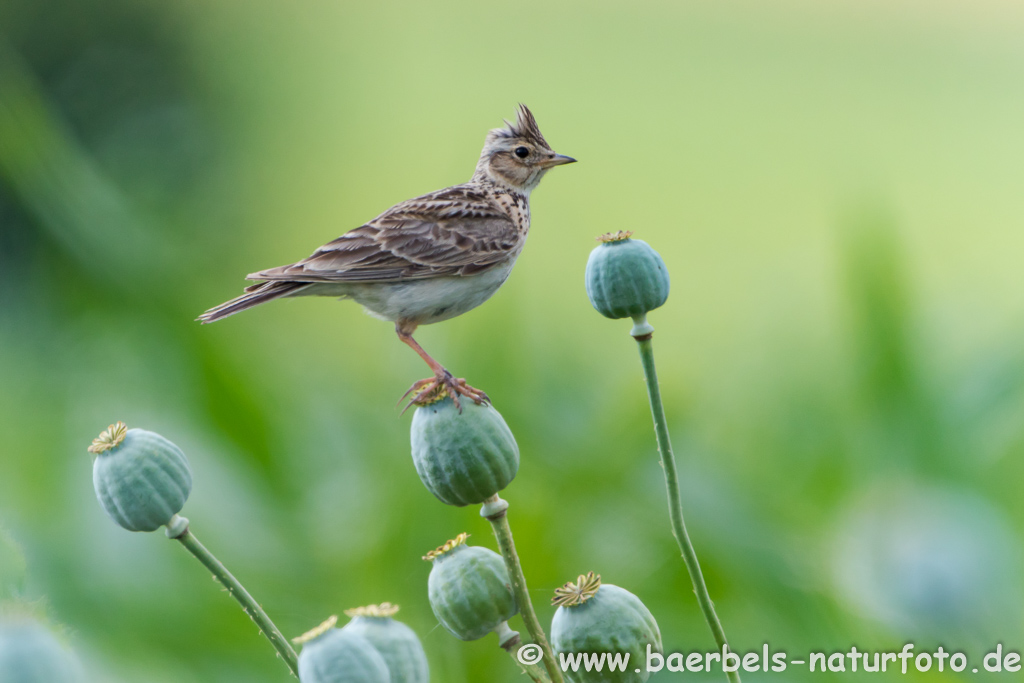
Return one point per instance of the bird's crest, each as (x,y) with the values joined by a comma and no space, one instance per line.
(524,127)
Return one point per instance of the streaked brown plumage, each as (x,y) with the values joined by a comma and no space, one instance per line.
(430,258)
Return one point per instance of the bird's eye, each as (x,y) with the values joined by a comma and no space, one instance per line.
(522,152)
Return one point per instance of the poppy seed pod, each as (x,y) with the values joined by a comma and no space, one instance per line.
(29,653)
(141,479)
(396,642)
(463,457)
(625,278)
(594,618)
(330,655)
(470,591)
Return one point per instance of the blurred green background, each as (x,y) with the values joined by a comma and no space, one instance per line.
(835,187)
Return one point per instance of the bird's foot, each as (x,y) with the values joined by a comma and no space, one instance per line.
(437,387)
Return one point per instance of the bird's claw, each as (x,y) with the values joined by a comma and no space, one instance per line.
(430,389)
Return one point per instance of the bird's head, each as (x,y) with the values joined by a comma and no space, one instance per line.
(518,156)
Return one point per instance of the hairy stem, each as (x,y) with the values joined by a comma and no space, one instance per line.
(238,592)
(675,504)
(495,512)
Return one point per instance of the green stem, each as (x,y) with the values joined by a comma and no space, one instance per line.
(532,670)
(495,510)
(535,673)
(238,592)
(675,504)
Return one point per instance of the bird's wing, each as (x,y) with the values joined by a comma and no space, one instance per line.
(456,231)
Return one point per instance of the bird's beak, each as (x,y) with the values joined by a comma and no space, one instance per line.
(556,160)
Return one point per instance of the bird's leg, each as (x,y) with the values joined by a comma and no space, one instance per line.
(442,379)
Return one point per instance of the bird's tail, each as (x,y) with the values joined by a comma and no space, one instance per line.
(256,294)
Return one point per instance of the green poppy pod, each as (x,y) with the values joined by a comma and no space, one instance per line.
(470,591)
(331,655)
(29,653)
(141,479)
(597,618)
(396,642)
(625,278)
(462,456)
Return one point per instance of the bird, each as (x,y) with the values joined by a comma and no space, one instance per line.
(430,258)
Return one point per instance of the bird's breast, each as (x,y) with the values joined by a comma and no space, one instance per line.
(430,300)
(516,206)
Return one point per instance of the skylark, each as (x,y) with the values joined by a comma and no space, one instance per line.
(430,258)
